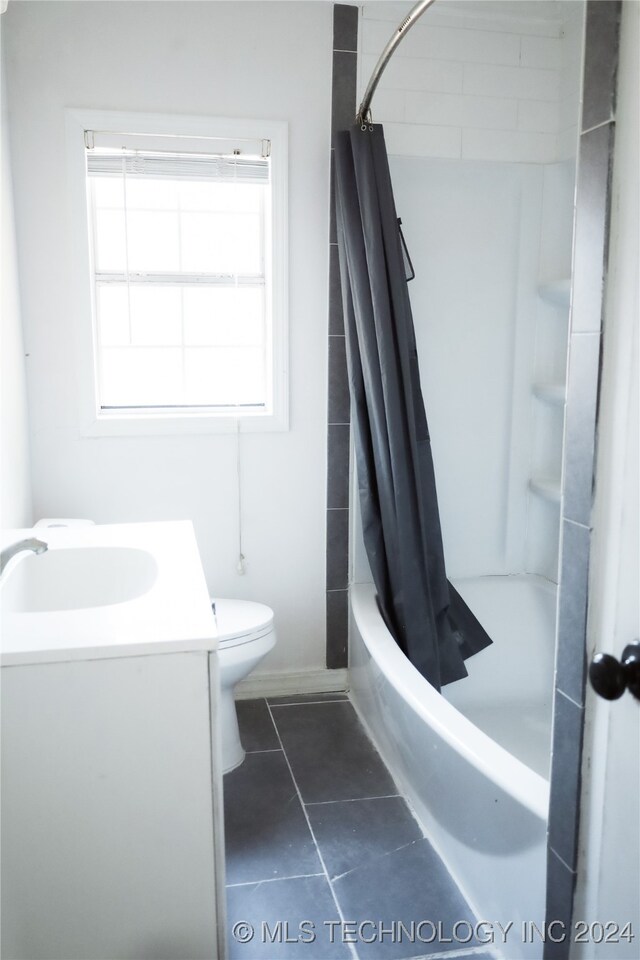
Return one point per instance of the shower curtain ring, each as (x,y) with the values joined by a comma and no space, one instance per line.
(365,121)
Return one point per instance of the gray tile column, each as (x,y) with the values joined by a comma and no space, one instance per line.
(595,156)
(343,109)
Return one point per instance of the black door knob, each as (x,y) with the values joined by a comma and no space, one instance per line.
(610,677)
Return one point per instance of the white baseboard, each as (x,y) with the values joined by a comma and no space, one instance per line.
(284,684)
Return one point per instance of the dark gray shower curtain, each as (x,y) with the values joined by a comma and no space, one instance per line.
(398,500)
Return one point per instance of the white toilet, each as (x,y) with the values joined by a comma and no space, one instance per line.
(246,634)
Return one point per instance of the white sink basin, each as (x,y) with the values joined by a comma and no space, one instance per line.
(77,579)
(109,590)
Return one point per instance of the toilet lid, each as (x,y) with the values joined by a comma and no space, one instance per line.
(242,621)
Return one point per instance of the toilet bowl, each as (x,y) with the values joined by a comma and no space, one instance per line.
(246,634)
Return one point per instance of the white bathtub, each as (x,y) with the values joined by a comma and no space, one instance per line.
(474,766)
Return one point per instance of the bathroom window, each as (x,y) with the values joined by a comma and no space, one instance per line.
(187,272)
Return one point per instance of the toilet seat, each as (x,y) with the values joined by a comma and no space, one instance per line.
(241,621)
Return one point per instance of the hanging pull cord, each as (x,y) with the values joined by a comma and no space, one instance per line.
(241,564)
(241,568)
(405,255)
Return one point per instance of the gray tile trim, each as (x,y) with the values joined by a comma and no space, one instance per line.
(337,629)
(337,549)
(345,27)
(343,108)
(595,162)
(560,888)
(565,779)
(572,611)
(343,92)
(339,403)
(333,227)
(336,314)
(597,126)
(338,444)
(580,427)
(601,53)
(592,227)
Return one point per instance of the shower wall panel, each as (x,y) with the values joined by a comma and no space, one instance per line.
(473,232)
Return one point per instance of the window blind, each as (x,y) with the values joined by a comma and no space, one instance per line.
(177,166)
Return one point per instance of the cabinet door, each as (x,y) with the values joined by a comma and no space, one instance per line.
(107,819)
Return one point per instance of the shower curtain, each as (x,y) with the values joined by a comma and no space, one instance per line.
(398,501)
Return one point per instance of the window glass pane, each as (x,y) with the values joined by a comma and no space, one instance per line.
(221,243)
(108,192)
(200,195)
(248,241)
(111,244)
(143,194)
(113,314)
(224,375)
(140,376)
(156,315)
(164,341)
(228,316)
(154,241)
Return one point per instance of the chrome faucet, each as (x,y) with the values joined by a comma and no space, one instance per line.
(36,546)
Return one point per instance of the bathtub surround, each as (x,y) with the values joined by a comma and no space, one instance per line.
(499,488)
(593,201)
(343,109)
(474,83)
(497,450)
(542,169)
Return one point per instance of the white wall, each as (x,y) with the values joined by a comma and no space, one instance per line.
(477,80)
(233,59)
(473,230)
(15,482)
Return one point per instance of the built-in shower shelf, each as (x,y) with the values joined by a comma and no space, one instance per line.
(557,292)
(553,393)
(546,487)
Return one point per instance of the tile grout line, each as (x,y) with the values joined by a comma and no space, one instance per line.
(377,858)
(352,950)
(310,703)
(580,706)
(459,954)
(256,883)
(562,861)
(385,796)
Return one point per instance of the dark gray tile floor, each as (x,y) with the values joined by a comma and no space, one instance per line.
(324,858)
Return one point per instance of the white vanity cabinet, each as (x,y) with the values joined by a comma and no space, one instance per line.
(111,823)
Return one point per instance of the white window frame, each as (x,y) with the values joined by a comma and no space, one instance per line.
(95,421)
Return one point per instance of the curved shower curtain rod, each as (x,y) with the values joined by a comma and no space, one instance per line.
(363,116)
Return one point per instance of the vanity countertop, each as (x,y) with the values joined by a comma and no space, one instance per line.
(104,591)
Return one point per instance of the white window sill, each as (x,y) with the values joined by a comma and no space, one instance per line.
(185,424)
